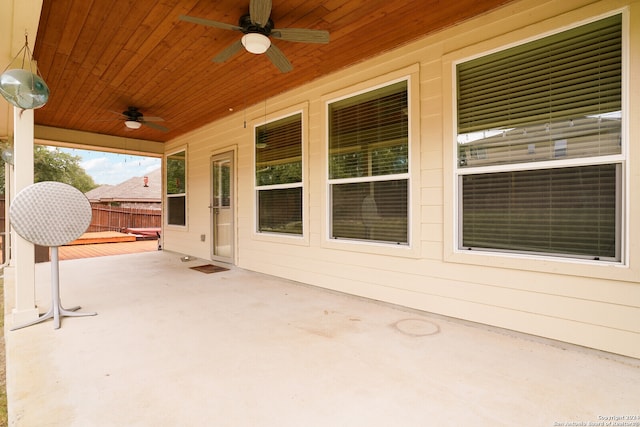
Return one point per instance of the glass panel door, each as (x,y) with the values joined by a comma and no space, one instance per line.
(222,210)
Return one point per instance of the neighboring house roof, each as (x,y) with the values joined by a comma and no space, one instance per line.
(131,190)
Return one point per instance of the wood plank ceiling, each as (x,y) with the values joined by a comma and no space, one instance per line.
(99,57)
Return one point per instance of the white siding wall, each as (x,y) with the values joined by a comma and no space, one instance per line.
(594,306)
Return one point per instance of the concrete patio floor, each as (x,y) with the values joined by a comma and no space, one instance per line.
(172,346)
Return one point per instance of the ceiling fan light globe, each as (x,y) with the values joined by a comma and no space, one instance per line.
(256,43)
(132,124)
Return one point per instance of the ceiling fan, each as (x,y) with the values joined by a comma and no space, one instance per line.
(134,119)
(257,27)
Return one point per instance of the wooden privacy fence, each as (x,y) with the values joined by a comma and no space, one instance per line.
(104,218)
(110,218)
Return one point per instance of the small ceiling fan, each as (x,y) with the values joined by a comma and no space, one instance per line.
(134,119)
(257,27)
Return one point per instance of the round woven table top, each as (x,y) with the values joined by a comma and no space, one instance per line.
(50,213)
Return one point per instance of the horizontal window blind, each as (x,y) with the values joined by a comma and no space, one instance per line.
(176,210)
(374,211)
(279,151)
(369,137)
(554,211)
(557,97)
(176,188)
(368,133)
(278,154)
(280,210)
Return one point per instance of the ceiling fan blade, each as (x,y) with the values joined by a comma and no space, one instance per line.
(259,11)
(279,60)
(117,113)
(152,119)
(301,35)
(154,126)
(228,52)
(209,23)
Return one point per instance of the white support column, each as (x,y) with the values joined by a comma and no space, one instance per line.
(23,252)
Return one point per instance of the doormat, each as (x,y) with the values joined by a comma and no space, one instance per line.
(209,268)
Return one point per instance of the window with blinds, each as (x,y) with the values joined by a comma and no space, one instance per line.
(176,191)
(556,100)
(278,174)
(369,165)
(563,211)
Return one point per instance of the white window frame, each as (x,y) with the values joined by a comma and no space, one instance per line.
(363,243)
(281,238)
(168,196)
(535,261)
(257,188)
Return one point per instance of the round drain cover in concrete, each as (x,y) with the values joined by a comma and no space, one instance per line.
(417,327)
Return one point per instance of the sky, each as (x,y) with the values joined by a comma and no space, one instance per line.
(111,168)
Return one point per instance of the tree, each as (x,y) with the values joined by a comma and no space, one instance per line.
(54,165)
